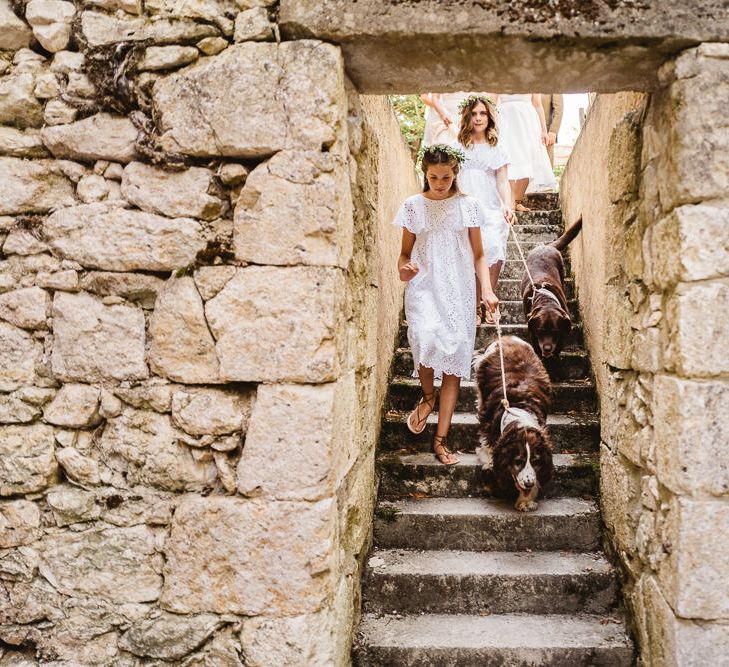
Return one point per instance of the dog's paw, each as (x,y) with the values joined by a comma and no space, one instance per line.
(525,505)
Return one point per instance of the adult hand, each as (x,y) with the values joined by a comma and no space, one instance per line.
(446,119)
(508,214)
(552,137)
(408,271)
(545,138)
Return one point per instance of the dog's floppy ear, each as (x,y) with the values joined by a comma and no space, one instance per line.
(564,324)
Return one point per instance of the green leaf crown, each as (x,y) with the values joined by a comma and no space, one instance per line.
(456,153)
(474,98)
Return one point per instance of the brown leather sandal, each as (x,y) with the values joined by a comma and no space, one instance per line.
(442,453)
(425,399)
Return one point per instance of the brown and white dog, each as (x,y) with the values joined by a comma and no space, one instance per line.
(514,442)
(545,308)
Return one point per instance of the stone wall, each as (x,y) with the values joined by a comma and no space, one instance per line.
(650,176)
(198,305)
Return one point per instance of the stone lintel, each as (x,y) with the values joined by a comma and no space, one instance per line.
(504,46)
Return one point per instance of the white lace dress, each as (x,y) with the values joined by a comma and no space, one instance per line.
(440,301)
(477,178)
(520,133)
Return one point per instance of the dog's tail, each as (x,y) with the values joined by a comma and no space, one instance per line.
(563,241)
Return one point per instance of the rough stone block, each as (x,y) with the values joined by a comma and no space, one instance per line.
(278,324)
(167,57)
(19,143)
(19,354)
(695,576)
(203,411)
(26,308)
(209,10)
(181,347)
(146,448)
(289,642)
(99,137)
(14,34)
(109,237)
(94,342)
(51,22)
(70,504)
(295,209)
(118,564)
(692,243)
(696,169)
(19,523)
(75,406)
(176,194)
(699,337)
(691,423)
(233,555)
(34,186)
(100,29)
(137,287)
(27,463)
(620,497)
(300,441)
(253,25)
(79,468)
(298,102)
(18,104)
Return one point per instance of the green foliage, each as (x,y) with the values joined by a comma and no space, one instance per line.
(410,112)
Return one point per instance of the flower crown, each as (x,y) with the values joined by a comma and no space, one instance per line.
(474,98)
(455,153)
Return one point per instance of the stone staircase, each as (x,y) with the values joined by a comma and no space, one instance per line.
(458,578)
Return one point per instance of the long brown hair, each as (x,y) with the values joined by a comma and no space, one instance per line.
(433,156)
(465,132)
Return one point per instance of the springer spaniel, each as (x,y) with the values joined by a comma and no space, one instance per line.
(545,308)
(514,442)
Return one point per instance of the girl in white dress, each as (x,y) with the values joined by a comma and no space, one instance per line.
(524,135)
(484,176)
(441,246)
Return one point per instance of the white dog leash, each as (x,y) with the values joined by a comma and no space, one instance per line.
(535,290)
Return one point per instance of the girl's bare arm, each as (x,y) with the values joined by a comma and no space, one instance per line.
(482,268)
(405,266)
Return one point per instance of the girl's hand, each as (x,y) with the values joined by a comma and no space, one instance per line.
(490,300)
(446,119)
(508,214)
(545,138)
(408,272)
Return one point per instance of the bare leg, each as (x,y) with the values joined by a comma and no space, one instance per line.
(448,397)
(494,273)
(518,188)
(417,418)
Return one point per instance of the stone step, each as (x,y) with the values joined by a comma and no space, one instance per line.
(487,332)
(571,365)
(514,267)
(404,474)
(497,640)
(488,582)
(485,524)
(569,433)
(544,232)
(510,290)
(542,201)
(540,217)
(574,396)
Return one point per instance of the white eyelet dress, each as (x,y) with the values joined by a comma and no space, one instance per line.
(477,178)
(440,301)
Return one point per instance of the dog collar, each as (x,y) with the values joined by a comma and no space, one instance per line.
(544,290)
(520,416)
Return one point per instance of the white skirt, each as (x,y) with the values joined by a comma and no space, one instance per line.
(520,133)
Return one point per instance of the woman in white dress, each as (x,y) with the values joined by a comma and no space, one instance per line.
(484,176)
(441,117)
(441,247)
(523,132)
